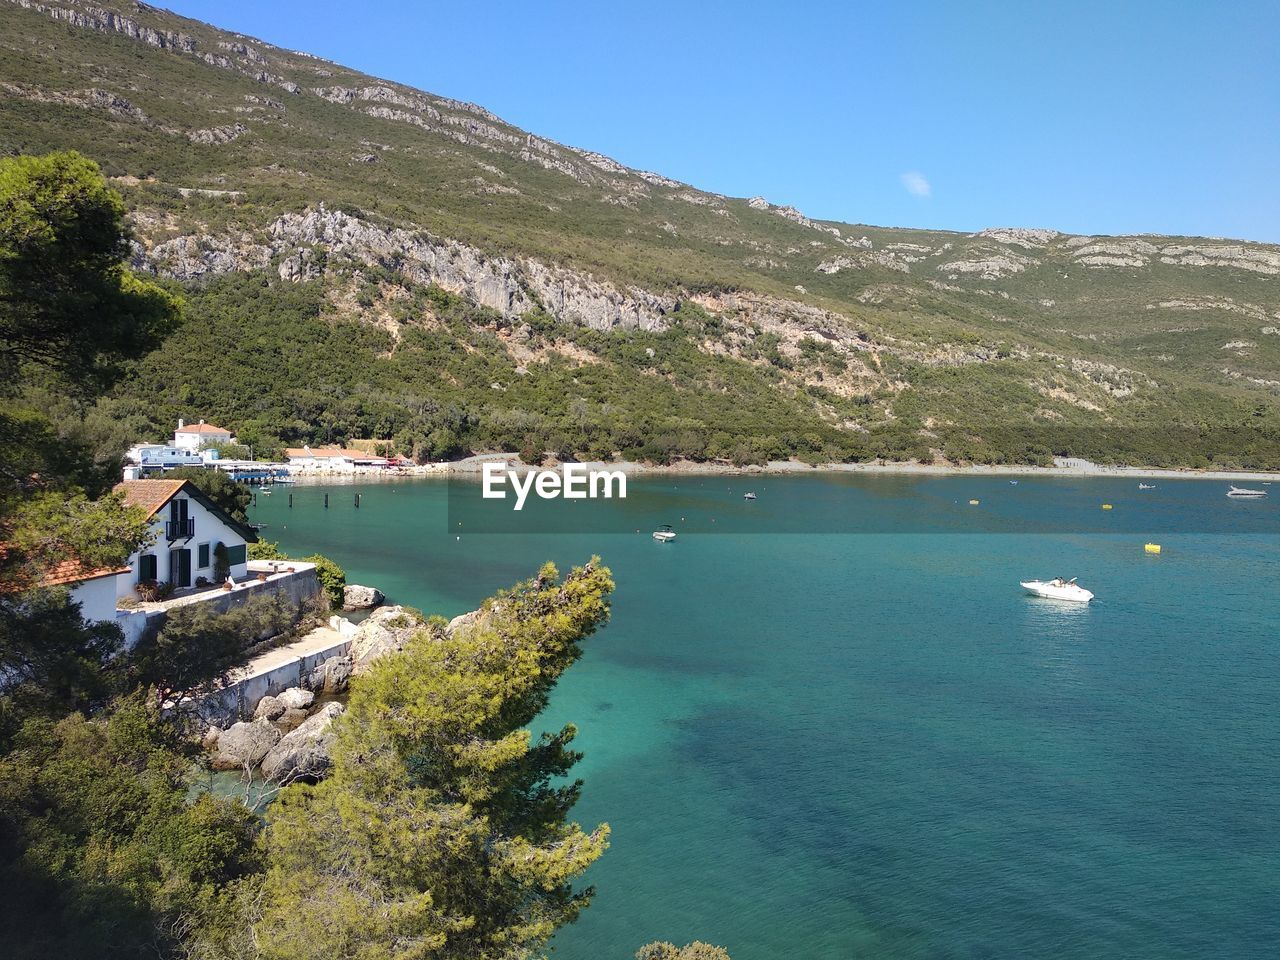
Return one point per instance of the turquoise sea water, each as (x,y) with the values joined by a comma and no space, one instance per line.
(835,746)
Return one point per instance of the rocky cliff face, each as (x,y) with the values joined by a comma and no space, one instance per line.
(295,243)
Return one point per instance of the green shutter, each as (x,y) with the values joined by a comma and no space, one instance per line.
(236,555)
(202,558)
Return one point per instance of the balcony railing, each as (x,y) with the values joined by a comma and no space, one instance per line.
(180,529)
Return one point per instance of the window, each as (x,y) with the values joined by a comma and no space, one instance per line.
(147,567)
(202,556)
(236,555)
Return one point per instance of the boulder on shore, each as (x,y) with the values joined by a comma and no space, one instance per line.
(303,754)
(296,698)
(357,597)
(386,630)
(332,676)
(269,708)
(244,744)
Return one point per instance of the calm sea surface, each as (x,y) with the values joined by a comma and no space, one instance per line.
(835,746)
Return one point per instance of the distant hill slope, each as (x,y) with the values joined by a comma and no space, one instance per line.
(464,283)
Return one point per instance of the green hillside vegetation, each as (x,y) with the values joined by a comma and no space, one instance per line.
(781,338)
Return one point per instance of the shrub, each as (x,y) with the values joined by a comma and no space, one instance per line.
(266,550)
(196,646)
(221,563)
(333,579)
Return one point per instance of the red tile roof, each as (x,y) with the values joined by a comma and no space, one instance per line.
(150,495)
(68,571)
(202,428)
(71,571)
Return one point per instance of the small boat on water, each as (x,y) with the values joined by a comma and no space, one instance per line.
(664,533)
(748,496)
(1058,589)
(1245,492)
(1146,486)
(284,480)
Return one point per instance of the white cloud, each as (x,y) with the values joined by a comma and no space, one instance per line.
(916,184)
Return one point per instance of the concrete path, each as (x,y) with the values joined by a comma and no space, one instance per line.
(318,640)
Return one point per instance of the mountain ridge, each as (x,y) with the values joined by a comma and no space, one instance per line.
(236,156)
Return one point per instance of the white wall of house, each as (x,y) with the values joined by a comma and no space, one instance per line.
(97,597)
(195,435)
(190,440)
(209,531)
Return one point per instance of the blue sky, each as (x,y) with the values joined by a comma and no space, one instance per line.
(1090,117)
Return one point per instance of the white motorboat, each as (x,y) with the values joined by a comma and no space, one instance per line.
(748,496)
(1146,486)
(1245,492)
(1058,589)
(664,534)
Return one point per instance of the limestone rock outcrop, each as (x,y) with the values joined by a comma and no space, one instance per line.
(245,744)
(357,597)
(386,630)
(332,676)
(303,754)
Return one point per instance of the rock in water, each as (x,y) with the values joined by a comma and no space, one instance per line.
(356,597)
(297,698)
(269,708)
(245,744)
(303,754)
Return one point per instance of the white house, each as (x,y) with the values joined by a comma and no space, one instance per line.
(94,590)
(334,459)
(187,530)
(197,435)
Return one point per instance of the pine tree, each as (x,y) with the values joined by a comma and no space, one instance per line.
(443,830)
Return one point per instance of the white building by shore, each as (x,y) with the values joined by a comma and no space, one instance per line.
(333,459)
(197,436)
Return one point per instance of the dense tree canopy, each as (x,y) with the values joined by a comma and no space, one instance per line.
(443,829)
(101,852)
(67,302)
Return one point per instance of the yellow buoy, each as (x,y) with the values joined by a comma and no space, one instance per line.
(1152,548)
(974,503)
(1106,506)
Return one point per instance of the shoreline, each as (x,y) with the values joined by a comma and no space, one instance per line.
(470,469)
